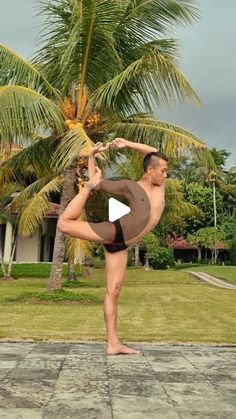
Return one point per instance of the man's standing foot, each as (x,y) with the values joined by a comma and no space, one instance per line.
(119,349)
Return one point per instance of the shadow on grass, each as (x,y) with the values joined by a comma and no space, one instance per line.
(80,284)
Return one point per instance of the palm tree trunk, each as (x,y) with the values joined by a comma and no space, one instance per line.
(136,255)
(146,266)
(1,255)
(199,257)
(9,268)
(71,271)
(68,193)
(1,262)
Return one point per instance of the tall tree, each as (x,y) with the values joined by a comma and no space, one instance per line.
(200,174)
(103,68)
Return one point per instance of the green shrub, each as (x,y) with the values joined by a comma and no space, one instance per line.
(160,257)
(33,270)
(59,295)
(98,263)
(79,284)
(130,261)
(233,252)
(37,270)
(188,265)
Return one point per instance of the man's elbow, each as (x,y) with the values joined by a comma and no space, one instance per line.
(62,224)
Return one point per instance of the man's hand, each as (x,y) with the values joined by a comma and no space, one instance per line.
(119,143)
(94,181)
(141,148)
(99,148)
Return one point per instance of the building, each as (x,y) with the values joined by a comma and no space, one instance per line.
(36,248)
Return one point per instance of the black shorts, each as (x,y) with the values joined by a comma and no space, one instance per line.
(118,243)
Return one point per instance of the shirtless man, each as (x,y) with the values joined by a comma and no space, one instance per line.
(117,236)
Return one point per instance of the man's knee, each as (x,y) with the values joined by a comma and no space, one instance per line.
(114,290)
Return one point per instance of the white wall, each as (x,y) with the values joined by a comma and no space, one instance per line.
(28,248)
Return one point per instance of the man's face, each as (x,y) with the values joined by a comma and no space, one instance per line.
(158,172)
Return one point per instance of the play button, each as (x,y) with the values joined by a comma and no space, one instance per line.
(116,209)
(132,209)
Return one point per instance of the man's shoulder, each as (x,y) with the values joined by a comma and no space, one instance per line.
(159,188)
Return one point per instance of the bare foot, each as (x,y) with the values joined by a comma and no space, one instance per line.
(121,349)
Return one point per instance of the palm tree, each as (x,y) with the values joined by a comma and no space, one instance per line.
(36,185)
(103,69)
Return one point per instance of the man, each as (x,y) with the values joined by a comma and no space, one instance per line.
(147,205)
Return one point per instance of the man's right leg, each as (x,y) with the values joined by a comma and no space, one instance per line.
(116,264)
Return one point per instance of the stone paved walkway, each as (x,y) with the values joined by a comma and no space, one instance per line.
(213,280)
(73,380)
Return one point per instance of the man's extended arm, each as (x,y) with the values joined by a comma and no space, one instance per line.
(141,148)
(98,148)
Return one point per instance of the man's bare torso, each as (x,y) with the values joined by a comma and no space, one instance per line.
(148,217)
(156,196)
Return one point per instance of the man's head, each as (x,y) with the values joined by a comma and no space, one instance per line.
(155,167)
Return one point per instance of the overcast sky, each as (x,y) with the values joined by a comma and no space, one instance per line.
(208,60)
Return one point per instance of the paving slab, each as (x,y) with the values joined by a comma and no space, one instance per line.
(62,380)
(20,414)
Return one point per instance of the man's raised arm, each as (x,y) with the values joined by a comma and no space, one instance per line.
(141,148)
(98,148)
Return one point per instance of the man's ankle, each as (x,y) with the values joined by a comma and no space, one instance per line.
(113,342)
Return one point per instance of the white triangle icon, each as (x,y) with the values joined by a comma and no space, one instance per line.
(116,209)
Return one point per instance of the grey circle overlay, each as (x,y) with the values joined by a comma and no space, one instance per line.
(133,195)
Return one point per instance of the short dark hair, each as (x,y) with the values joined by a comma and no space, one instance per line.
(148,159)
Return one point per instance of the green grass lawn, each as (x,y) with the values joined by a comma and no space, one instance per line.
(157,306)
(225,272)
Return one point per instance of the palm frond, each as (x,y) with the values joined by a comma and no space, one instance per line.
(77,42)
(154,72)
(205,159)
(78,250)
(230,189)
(125,40)
(175,200)
(75,143)
(144,19)
(8,190)
(232,171)
(34,211)
(167,137)
(128,168)
(32,215)
(14,70)
(45,185)
(176,210)
(5,216)
(35,159)
(23,112)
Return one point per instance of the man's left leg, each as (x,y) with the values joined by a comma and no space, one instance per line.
(116,264)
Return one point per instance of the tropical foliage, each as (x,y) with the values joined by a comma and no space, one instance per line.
(197,176)
(103,69)
(208,238)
